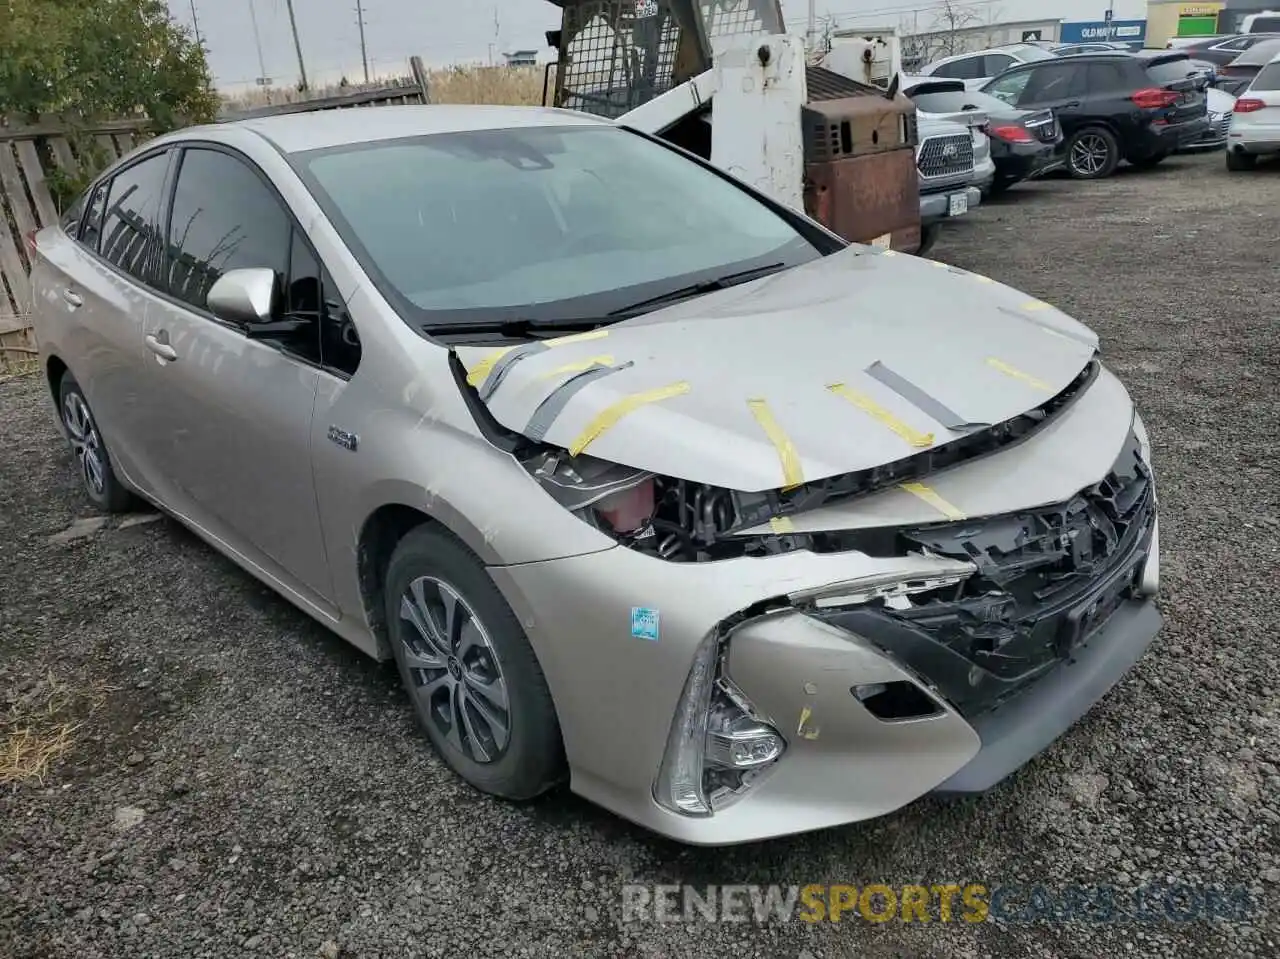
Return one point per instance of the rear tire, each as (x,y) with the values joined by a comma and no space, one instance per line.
(97,476)
(474,681)
(1238,160)
(1093,153)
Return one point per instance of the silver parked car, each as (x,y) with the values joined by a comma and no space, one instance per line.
(645,481)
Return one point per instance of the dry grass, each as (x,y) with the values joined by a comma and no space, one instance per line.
(502,85)
(36,731)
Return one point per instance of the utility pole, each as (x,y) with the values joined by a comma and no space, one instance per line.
(263,80)
(364,51)
(195,24)
(297,44)
(496,38)
(812,32)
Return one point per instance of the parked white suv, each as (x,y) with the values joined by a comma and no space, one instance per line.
(979,66)
(1255,120)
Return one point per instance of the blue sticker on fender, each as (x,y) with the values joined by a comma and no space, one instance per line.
(644,623)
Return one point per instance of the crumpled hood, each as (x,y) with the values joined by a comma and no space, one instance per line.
(855,360)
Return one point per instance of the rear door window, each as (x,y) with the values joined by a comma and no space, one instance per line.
(1051,82)
(1105,78)
(91,227)
(130,229)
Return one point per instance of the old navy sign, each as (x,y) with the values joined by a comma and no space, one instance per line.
(1091,31)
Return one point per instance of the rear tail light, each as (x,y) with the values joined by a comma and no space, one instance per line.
(1248,105)
(1154,98)
(1012,133)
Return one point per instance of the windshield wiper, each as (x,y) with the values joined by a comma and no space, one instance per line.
(697,289)
(516,327)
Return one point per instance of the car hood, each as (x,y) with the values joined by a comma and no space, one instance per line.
(849,362)
(1219,101)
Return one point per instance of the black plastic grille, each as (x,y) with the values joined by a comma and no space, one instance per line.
(945,155)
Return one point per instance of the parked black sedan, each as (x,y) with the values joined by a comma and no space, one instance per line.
(1024,143)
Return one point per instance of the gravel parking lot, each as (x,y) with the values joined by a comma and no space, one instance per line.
(237,781)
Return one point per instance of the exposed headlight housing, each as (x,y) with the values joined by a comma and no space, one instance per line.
(719,744)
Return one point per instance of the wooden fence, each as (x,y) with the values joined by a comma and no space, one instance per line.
(29,154)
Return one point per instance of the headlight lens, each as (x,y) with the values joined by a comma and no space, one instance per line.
(719,744)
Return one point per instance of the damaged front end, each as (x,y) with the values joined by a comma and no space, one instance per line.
(682,521)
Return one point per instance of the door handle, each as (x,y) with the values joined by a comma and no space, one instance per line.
(160,349)
(1071,103)
(73,298)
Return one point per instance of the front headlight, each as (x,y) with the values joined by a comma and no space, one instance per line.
(719,744)
(1144,442)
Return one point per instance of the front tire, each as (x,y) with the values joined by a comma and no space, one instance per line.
(1238,161)
(92,459)
(1093,153)
(474,681)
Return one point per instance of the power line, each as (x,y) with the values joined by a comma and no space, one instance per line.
(195,24)
(901,9)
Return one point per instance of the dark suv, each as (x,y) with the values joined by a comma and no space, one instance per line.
(1138,107)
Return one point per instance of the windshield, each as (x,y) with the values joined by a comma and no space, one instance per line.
(539,223)
(954,101)
(1029,53)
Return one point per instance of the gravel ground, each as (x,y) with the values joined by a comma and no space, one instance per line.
(243,783)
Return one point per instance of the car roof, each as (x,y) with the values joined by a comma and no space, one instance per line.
(318,129)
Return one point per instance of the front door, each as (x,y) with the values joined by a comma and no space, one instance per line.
(234,414)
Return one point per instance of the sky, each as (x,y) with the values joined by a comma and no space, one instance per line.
(471,31)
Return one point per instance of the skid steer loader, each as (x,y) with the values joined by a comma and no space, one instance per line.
(723,79)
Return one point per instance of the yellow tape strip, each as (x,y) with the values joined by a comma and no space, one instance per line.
(609,416)
(577,337)
(792,473)
(888,252)
(1017,374)
(927,494)
(1036,305)
(782,524)
(872,408)
(578,366)
(981,279)
(480,372)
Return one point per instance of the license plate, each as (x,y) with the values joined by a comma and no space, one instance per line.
(957,204)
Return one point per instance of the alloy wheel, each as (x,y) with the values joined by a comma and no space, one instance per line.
(1089,154)
(85,442)
(455,670)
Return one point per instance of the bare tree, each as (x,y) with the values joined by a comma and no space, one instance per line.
(950,32)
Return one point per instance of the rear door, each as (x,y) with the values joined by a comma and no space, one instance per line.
(234,413)
(92,286)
